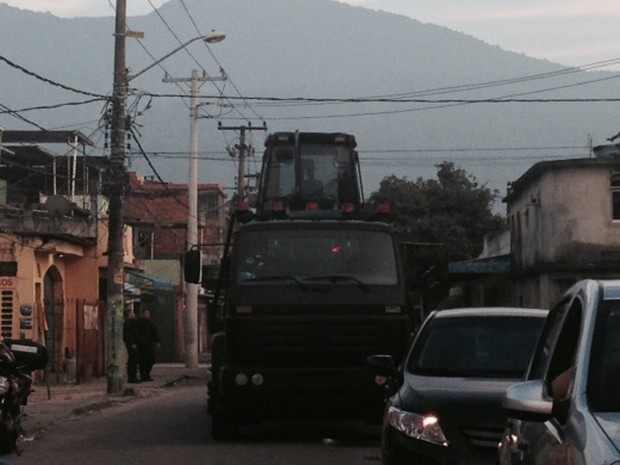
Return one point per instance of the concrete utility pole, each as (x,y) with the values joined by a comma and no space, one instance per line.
(116,180)
(191,289)
(242,147)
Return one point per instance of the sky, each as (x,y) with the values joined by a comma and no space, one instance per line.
(569,32)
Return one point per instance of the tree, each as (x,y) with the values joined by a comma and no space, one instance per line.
(441,220)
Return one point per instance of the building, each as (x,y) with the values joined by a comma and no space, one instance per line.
(158,215)
(564,225)
(564,220)
(50,263)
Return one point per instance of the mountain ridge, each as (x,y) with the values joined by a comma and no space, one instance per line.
(310,49)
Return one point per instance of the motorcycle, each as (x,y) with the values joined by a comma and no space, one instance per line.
(18,359)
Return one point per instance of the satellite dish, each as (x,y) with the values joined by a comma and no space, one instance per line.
(57,205)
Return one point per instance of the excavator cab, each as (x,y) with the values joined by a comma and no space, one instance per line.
(309,175)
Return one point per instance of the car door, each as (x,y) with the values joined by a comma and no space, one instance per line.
(554,359)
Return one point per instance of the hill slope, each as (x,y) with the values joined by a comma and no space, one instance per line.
(309,49)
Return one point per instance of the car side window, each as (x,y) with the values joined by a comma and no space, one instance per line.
(555,359)
(561,370)
(546,343)
(604,373)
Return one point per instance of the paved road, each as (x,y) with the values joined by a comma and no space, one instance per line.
(170,426)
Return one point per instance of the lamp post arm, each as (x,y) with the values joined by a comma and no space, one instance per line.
(152,65)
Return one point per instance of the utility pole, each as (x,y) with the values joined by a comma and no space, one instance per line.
(191,289)
(117,179)
(242,153)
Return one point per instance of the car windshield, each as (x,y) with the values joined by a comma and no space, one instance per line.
(604,377)
(342,257)
(482,346)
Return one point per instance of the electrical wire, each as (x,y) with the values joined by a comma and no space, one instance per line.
(49,81)
(501,82)
(15,114)
(163,20)
(53,107)
(191,18)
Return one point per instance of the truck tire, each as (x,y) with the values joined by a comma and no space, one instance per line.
(223,426)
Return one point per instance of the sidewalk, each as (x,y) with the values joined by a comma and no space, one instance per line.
(66,402)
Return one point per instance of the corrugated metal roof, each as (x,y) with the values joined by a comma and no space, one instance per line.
(44,137)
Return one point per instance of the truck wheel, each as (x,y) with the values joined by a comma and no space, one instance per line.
(223,426)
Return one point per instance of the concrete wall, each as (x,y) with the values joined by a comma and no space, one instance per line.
(564,218)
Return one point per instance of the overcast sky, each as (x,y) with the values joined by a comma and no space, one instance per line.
(570,32)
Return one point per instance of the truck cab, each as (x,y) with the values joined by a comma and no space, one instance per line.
(306,303)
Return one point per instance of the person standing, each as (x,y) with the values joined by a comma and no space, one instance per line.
(130,337)
(148,338)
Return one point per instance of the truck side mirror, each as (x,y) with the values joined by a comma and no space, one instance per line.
(192,266)
(381,365)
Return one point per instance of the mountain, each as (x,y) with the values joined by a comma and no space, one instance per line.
(310,49)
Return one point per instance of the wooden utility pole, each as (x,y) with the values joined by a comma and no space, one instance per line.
(117,180)
(242,147)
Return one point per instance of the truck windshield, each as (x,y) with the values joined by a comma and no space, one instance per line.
(366,257)
(325,171)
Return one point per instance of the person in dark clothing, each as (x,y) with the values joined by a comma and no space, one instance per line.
(148,341)
(130,337)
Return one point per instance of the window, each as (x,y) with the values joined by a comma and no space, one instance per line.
(615,196)
(211,206)
(481,346)
(565,348)
(143,243)
(6,314)
(368,256)
(558,341)
(604,375)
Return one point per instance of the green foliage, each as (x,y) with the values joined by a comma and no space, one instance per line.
(445,219)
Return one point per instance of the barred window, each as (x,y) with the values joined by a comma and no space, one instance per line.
(6,314)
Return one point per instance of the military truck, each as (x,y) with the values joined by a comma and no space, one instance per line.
(310,286)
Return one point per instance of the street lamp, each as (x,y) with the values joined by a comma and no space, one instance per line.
(212,38)
(192,289)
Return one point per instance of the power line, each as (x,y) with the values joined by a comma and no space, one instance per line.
(163,20)
(49,81)
(20,117)
(495,83)
(55,106)
(218,63)
(340,100)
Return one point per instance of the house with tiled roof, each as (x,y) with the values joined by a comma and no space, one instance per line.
(158,214)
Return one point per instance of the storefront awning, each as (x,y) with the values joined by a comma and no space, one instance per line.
(144,281)
(481,266)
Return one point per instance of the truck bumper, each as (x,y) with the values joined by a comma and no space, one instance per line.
(254,394)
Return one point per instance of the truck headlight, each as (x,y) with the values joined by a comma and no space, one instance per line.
(241,379)
(421,427)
